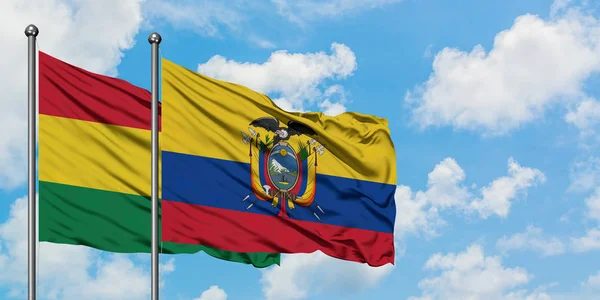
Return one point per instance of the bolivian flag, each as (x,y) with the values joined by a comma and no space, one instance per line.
(94,164)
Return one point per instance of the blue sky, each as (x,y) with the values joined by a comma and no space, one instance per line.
(493,109)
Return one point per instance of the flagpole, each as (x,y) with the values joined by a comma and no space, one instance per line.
(31,32)
(154,39)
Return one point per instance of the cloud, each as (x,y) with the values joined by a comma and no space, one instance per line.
(93,44)
(593,282)
(261,42)
(532,239)
(415,213)
(66,271)
(589,242)
(420,211)
(472,275)
(559,6)
(331,109)
(427,53)
(593,205)
(586,116)
(334,101)
(536,295)
(497,196)
(300,12)
(204,17)
(590,290)
(303,275)
(533,66)
(296,79)
(212,18)
(585,175)
(164,268)
(209,18)
(586,178)
(213,293)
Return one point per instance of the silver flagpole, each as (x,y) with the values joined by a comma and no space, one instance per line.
(31,32)
(154,41)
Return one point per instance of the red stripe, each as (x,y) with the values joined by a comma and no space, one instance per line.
(235,231)
(71,92)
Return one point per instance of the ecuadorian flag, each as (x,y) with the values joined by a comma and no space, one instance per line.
(241,174)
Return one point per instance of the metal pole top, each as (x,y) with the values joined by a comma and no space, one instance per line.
(32,30)
(154,38)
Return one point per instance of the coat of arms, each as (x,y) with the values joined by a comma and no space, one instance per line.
(283,164)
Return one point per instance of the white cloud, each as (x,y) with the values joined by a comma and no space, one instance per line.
(525,295)
(334,101)
(167,267)
(66,271)
(593,205)
(203,17)
(534,65)
(415,214)
(559,6)
(446,190)
(331,109)
(209,17)
(92,42)
(302,275)
(586,116)
(261,42)
(472,275)
(532,239)
(296,78)
(593,282)
(427,53)
(213,18)
(585,175)
(589,242)
(301,11)
(213,293)
(497,196)
(590,290)
(164,268)
(419,211)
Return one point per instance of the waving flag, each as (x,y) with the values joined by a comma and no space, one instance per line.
(240,174)
(94,164)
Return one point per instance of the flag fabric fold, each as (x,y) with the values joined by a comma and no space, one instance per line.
(241,174)
(94,164)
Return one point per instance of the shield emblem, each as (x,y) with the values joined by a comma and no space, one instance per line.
(283,167)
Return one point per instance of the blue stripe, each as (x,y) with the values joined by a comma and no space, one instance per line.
(223,184)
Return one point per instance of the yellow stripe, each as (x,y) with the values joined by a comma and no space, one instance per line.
(206,117)
(94,155)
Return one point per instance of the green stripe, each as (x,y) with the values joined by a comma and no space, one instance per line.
(114,222)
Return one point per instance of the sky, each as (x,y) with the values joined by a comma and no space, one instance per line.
(493,108)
